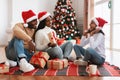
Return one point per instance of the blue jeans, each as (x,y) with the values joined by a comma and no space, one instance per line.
(89,55)
(60,51)
(16,50)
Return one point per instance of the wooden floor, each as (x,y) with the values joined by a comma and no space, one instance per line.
(112,57)
(15,77)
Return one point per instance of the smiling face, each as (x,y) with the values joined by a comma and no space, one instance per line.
(48,21)
(33,24)
(92,25)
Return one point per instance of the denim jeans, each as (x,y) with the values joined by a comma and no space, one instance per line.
(89,55)
(60,51)
(16,50)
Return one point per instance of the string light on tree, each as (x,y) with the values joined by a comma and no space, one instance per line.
(65,20)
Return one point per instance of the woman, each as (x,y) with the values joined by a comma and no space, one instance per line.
(43,41)
(95,53)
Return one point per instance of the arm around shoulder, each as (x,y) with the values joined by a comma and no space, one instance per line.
(19,32)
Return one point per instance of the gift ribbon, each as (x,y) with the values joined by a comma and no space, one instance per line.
(40,56)
(37,61)
(56,60)
(54,36)
(35,58)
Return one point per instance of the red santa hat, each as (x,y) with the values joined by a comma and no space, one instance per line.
(28,16)
(43,15)
(99,22)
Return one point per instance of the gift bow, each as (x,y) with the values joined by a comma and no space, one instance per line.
(35,58)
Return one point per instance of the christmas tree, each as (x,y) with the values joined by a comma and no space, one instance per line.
(64,20)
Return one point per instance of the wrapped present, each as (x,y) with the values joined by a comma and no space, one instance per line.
(4,68)
(52,37)
(60,41)
(77,41)
(39,59)
(57,63)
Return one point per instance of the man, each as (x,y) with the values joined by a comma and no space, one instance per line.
(21,47)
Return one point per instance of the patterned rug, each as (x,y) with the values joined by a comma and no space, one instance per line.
(71,70)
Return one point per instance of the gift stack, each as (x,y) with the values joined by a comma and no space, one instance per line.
(39,59)
(4,68)
(57,63)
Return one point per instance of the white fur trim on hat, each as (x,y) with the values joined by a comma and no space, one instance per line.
(45,16)
(25,25)
(95,20)
(30,19)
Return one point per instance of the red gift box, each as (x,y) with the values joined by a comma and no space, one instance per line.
(52,37)
(39,59)
(60,41)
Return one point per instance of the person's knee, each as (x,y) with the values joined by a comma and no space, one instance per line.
(18,40)
(89,49)
(76,46)
(69,43)
(56,52)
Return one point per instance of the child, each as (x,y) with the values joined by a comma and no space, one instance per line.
(95,53)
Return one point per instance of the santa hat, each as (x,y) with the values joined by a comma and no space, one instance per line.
(43,15)
(99,22)
(28,16)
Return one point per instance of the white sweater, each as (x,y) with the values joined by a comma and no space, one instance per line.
(42,39)
(97,42)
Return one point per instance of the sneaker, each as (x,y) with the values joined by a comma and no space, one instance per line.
(12,63)
(81,62)
(25,66)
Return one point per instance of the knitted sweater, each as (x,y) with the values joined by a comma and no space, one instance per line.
(97,42)
(42,39)
(23,33)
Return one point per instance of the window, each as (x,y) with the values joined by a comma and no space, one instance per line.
(101,10)
(112,15)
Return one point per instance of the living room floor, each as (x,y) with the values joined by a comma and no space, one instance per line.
(111,56)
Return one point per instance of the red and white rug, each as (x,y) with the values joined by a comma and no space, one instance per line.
(71,70)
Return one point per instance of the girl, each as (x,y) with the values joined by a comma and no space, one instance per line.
(95,53)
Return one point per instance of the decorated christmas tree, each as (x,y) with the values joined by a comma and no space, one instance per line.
(64,20)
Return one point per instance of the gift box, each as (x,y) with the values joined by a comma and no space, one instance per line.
(60,41)
(77,41)
(57,63)
(52,37)
(39,59)
(4,68)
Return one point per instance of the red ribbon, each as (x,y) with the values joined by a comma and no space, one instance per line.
(35,58)
(54,35)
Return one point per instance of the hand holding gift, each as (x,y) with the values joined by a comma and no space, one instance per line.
(51,37)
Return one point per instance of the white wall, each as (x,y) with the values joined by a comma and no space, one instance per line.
(3,20)
(78,6)
(11,13)
(21,5)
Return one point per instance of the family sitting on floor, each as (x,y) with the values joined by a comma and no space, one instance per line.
(28,38)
